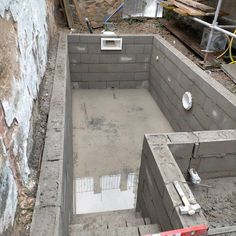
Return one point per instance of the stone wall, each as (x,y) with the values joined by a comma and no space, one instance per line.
(24,38)
(96,11)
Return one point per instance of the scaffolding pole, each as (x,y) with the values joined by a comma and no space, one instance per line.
(214,26)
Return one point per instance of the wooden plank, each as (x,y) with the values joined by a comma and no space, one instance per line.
(78,10)
(191,11)
(68,14)
(180,11)
(197,5)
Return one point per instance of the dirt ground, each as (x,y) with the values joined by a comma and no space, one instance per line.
(218,201)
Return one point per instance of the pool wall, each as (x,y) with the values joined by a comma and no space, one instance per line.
(92,68)
(214,107)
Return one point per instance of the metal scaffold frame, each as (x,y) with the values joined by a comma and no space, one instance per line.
(214,26)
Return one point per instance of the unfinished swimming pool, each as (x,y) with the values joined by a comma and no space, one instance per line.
(110,91)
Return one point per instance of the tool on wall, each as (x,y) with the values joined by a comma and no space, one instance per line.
(190,206)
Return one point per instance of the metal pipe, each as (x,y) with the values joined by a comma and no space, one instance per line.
(215,27)
(214,24)
(227,26)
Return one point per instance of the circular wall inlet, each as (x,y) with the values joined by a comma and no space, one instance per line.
(187,101)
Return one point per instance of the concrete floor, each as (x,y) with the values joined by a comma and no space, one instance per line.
(108,131)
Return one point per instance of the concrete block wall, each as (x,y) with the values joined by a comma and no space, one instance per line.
(54,202)
(157,197)
(92,68)
(214,107)
(166,157)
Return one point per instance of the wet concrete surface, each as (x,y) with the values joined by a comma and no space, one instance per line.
(108,131)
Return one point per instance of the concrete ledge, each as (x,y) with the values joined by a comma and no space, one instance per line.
(53,209)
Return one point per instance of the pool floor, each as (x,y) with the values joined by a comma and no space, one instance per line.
(108,130)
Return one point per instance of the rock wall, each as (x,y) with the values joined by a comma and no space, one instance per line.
(25,27)
(96,11)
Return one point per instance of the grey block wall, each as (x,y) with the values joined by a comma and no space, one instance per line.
(93,68)
(165,157)
(53,209)
(157,197)
(214,107)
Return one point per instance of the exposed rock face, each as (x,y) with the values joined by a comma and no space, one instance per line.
(25,27)
(96,11)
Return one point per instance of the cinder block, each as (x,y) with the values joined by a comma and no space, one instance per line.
(77,48)
(89,58)
(198,96)
(213,111)
(78,68)
(143,58)
(88,39)
(126,58)
(171,199)
(76,77)
(94,48)
(184,81)
(148,49)
(73,38)
(143,39)
(97,84)
(149,229)
(109,58)
(107,76)
(128,84)
(134,49)
(227,102)
(74,58)
(194,124)
(112,84)
(83,85)
(141,76)
(201,116)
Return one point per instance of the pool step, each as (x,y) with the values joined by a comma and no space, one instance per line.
(117,223)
